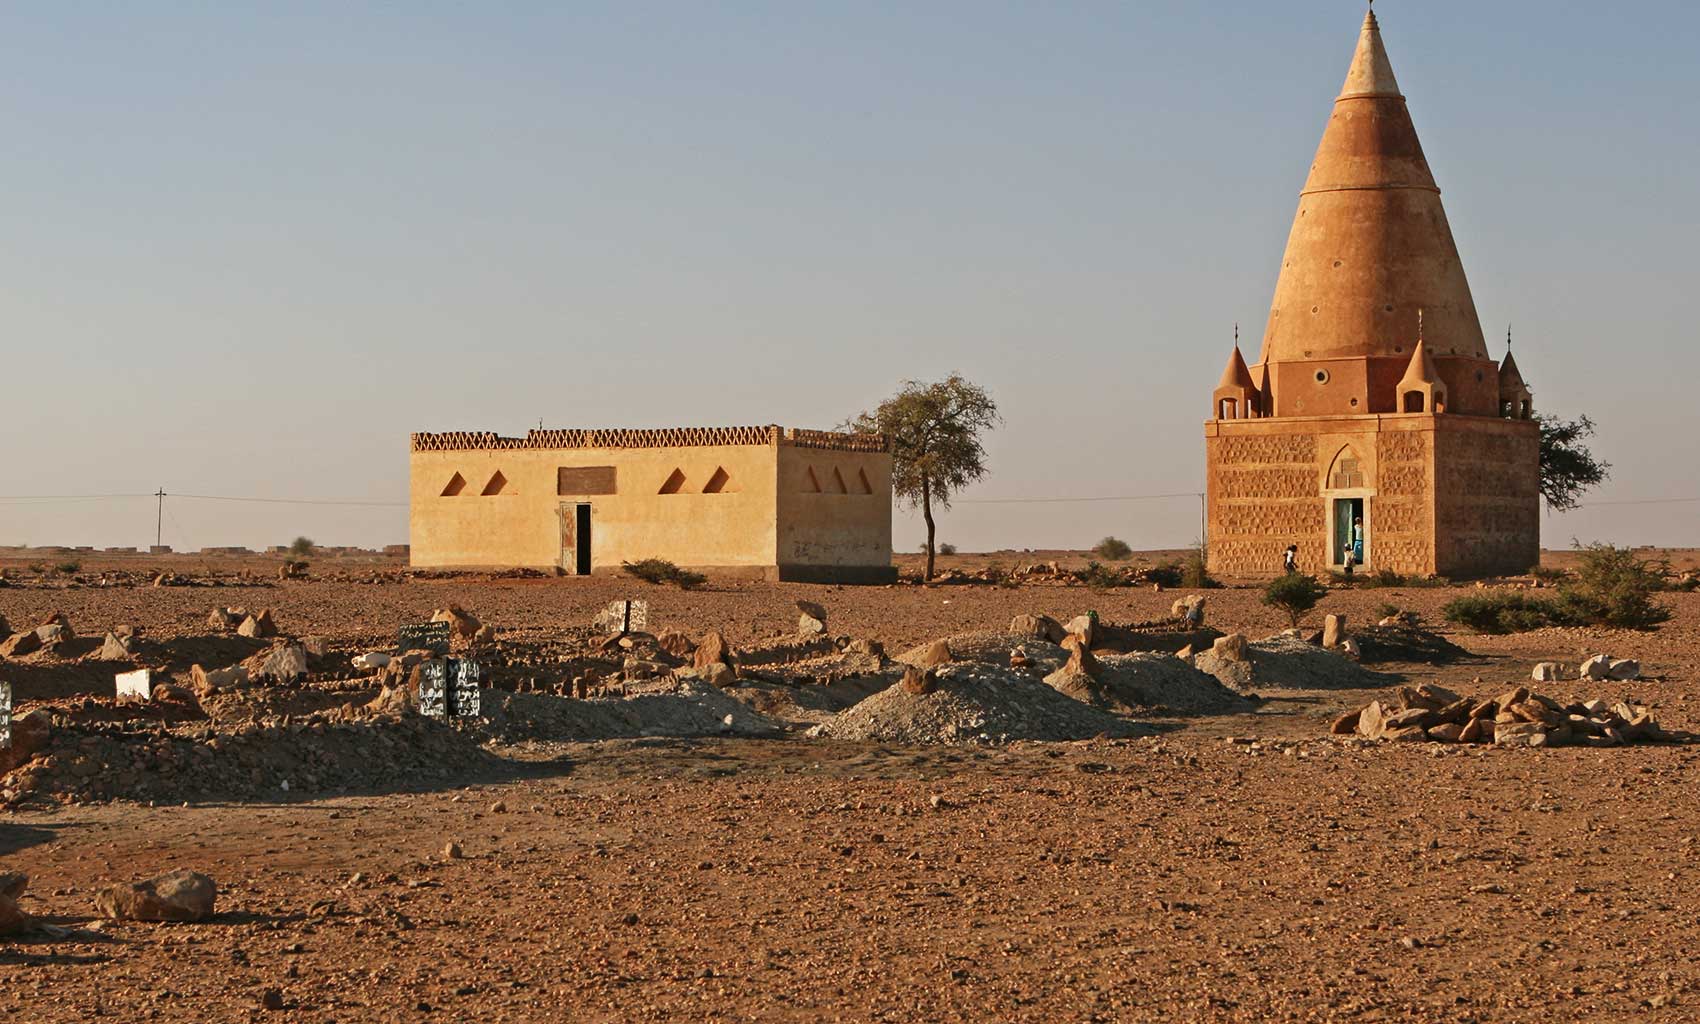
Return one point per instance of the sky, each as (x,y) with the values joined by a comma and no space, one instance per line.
(251,247)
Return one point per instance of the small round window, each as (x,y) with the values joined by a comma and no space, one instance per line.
(1322,376)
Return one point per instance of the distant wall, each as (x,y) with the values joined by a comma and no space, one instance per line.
(834,514)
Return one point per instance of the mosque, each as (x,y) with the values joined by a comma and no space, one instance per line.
(1374,427)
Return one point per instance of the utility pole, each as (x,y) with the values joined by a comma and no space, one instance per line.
(159,520)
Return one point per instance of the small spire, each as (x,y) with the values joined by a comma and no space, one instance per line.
(1507,339)
(1236,334)
(1371,73)
(1419,325)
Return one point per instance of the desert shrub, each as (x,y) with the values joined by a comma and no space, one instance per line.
(1101,577)
(1166,574)
(1614,587)
(659,570)
(68,567)
(1113,549)
(1388,578)
(1294,593)
(1687,584)
(301,547)
(1548,574)
(947,549)
(1504,611)
(1195,569)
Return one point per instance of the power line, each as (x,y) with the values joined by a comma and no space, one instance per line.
(294,501)
(1058,501)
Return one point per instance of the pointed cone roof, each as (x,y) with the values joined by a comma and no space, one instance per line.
(1370,244)
(1238,374)
(1421,369)
(1509,376)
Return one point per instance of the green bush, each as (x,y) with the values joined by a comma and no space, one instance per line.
(1113,549)
(1166,574)
(659,570)
(301,547)
(1547,574)
(1101,577)
(1294,594)
(1613,587)
(68,567)
(947,549)
(1505,611)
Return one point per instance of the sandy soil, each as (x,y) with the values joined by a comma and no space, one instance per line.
(1236,867)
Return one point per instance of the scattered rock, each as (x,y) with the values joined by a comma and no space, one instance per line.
(113,649)
(12,919)
(1624,669)
(718,674)
(1038,627)
(1547,672)
(462,626)
(20,644)
(677,644)
(259,625)
(13,884)
(284,663)
(1597,668)
(811,620)
(937,653)
(176,896)
(711,650)
(1084,626)
(371,661)
(452,851)
(917,680)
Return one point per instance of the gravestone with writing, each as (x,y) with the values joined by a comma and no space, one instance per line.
(5,714)
(448,688)
(623,617)
(423,636)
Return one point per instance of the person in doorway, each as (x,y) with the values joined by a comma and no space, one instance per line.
(1349,558)
(1358,541)
(1290,559)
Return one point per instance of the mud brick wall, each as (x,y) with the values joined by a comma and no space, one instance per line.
(1264,493)
(1487,496)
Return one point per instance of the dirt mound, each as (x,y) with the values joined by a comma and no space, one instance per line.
(1411,644)
(797,706)
(1288,663)
(974,703)
(681,708)
(268,759)
(993,649)
(1147,683)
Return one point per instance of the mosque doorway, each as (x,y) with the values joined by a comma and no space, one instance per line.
(575,538)
(1351,530)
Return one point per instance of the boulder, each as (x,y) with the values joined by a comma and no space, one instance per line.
(13,920)
(258,625)
(52,634)
(1547,672)
(30,735)
(20,644)
(677,644)
(1519,734)
(1346,724)
(206,683)
(937,653)
(1038,627)
(1080,659)
(462,626)
(486,634)
(1333,630)
(1084,626)
(718,674)
(284,663)
(917,681)
(175,896)
(712,650)
(1190,609)
(224,619)
(1624,669)
(1231,647)
(1597,668)
(811,619)
(1446,732)
(113,649)
(1371,719)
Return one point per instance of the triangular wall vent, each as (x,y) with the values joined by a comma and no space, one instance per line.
(456,484)
(497,484)
(811,483)
(838,482)
(675,483)
(863,487)
(720,482)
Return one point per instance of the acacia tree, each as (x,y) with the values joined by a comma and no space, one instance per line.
(1567,466)
(935,434)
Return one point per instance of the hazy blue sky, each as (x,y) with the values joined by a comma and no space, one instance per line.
(249,247)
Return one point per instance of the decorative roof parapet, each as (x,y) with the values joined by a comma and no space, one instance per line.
(667,437)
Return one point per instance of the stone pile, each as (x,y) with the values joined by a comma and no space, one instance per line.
(53,634)
(1518,717)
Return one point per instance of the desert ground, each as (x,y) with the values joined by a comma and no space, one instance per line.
(659,850)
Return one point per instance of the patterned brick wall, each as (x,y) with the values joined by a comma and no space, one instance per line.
(1487,497)
(1264,495)
(677,437)
(1401,522)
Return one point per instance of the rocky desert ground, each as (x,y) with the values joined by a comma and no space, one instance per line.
(781,802)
